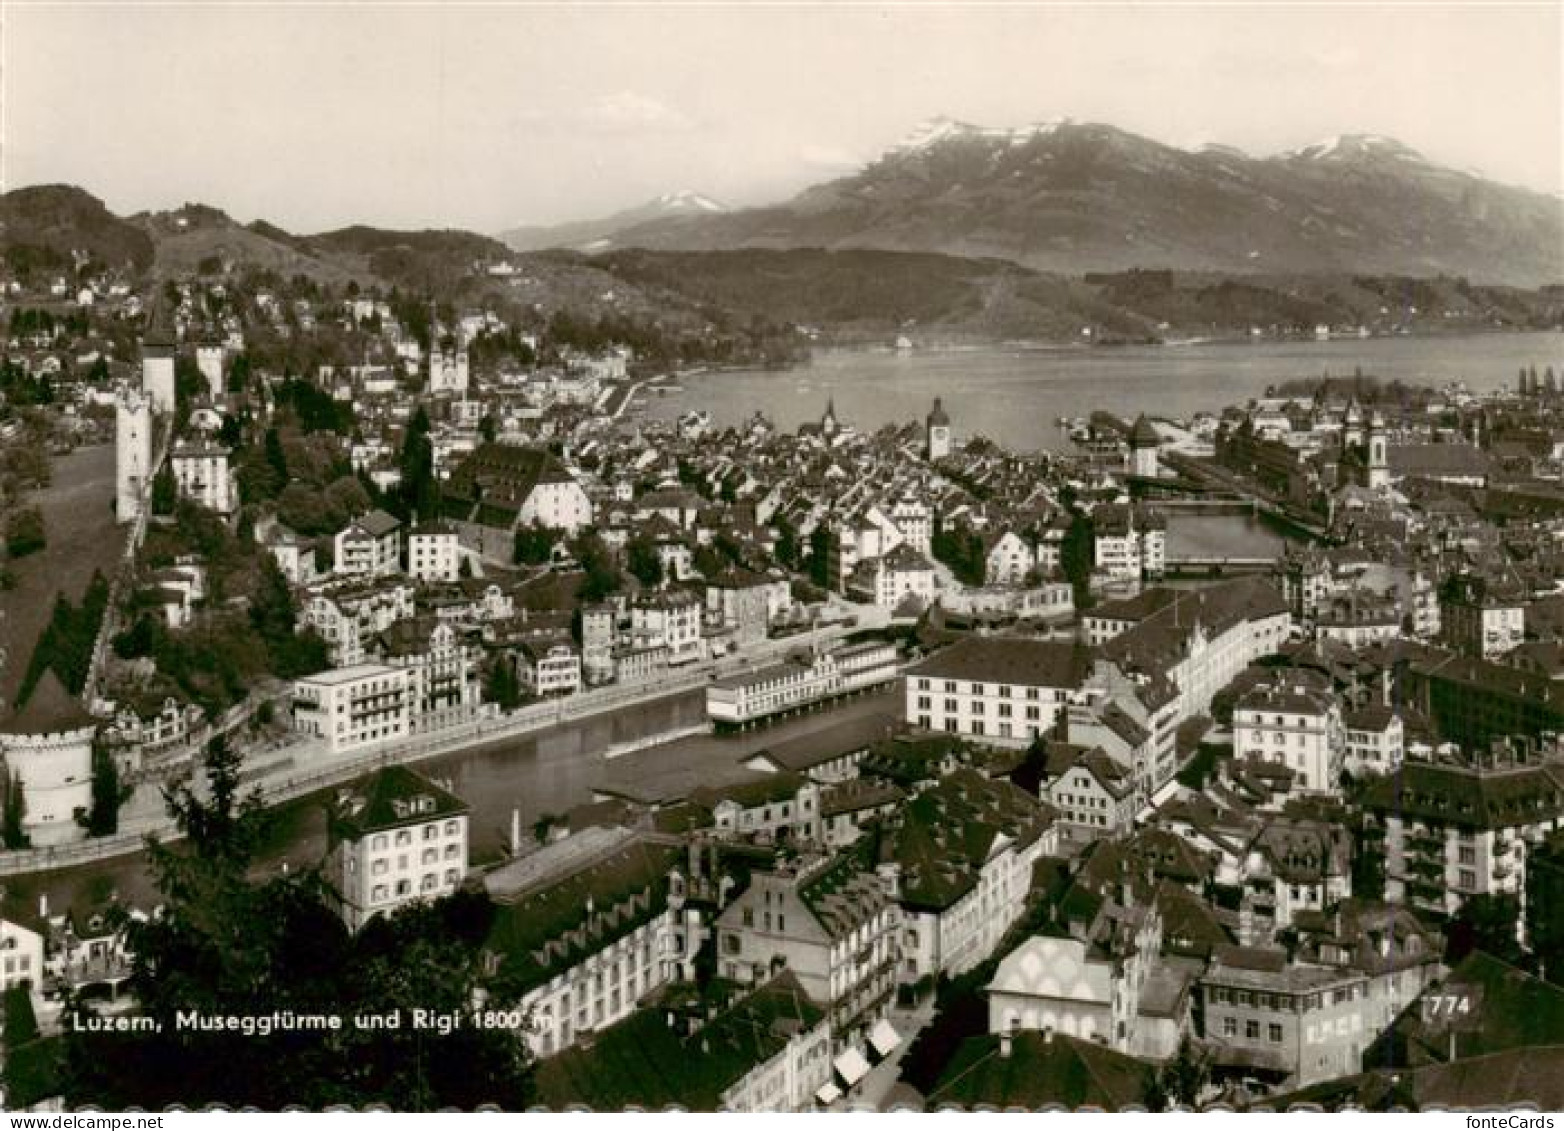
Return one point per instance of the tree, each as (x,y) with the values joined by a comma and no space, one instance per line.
(24,532)
(1077,558)
(165,494)
(533,544)
(108,794)
(1487,923)
(820,556)
(233,942)
(420,497)
(189,386)
(500,684)
(276,459)
(602,578)
(15,811)
(1181,1080)
(787,543)
(643,562)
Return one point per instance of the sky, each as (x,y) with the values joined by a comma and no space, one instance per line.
(491,115)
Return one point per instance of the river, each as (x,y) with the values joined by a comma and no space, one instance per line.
(544,773)
(1015,396)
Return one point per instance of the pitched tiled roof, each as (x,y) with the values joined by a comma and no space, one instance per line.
(391,797)
(1012,660)
(1042,1069)
(943,837)
(1471,797)
(644,1061)
(552,929)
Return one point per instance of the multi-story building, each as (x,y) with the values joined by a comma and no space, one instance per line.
(157,368)
(370,546)
(294,555)
(21,944)
(672,619)
(1087,981)
(900,574)
(1376,740)
(747,603)
(781,806)
(1009,560)
(960,868)
(776,689)
(766,1051)
(1481,619)
(832,923)
(442,661)
(1005,690)
(202,474)
(1295,1023)
(1196,639)
(500,488)
(585,932)
(1128,545)
(546,669)
(1095,795)
(434,553)
(1454,831)
(396,838)
(354,707)
(350,617)
(1297,724)
(597,643)
(912,518)
(1293,865)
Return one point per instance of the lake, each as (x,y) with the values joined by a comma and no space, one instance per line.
(1015,396)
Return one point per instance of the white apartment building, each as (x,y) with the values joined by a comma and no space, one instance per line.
(434,553)
(354,707)
(1128,545)
(349,617)
(1004,690)
(1009,559)
(958,905)
(203,475)
(912,518)
(549,670)
(903,573)
(370,546)
(1376,741)
(22,949)
(1455,831)
(1297,725)
(585,931)
(672,619)
(396,838)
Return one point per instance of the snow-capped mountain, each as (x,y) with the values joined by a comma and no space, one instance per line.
(1077,197)
(598,235)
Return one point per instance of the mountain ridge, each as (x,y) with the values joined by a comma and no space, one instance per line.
(1071,197)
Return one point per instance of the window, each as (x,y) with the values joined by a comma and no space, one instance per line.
(1275,1034)
(1229,1026)
(1251,1030)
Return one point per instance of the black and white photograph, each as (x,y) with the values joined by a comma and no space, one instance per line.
(781,556)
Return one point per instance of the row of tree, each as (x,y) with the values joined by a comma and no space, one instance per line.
(67,640)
